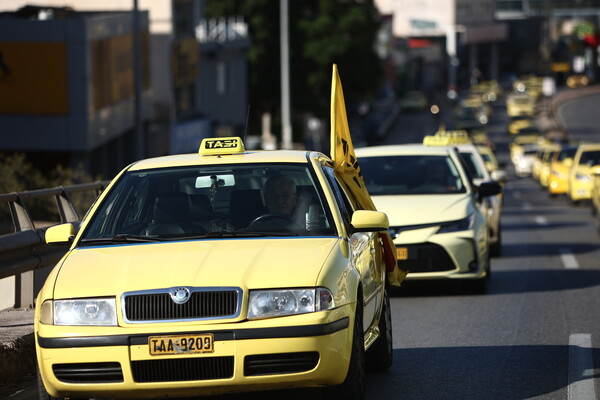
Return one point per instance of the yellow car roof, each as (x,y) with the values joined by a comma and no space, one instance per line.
(400,149)
(589,146)
(252,156)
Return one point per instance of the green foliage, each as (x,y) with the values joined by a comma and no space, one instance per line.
(17,174)
(321,33)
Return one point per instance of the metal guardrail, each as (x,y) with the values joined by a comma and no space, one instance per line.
(25,250)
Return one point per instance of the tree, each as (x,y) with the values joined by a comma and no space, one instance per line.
(321,33)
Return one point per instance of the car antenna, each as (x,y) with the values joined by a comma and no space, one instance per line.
(246,127)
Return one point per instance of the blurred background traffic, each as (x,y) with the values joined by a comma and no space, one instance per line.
(94,85)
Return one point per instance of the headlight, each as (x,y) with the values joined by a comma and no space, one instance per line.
(460,225)
(280,302)
(582,177)
(99,312)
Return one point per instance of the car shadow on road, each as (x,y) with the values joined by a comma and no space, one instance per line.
(481,372)
(506,282)
(520,226)
(510,250)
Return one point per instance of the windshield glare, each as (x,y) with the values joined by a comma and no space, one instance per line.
(169,203)
(411,174)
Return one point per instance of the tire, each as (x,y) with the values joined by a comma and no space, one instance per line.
(478,286)
(42,393)
(380,354)
(353,387)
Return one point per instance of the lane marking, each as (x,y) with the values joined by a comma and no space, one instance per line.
(526,206)
(541,220)
(568,259)
(581,384)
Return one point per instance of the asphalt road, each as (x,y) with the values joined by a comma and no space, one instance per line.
(533,335)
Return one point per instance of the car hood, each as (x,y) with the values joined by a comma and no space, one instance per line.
(423,209)
(256,263)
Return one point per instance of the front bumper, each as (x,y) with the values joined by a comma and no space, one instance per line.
(442,256)
(581,190)
(298,351)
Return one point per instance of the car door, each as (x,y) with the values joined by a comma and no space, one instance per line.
(366,253)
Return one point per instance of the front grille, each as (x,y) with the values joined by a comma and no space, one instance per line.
(108,372)
(158,305)
(426,257)
(282,363)
(183,369)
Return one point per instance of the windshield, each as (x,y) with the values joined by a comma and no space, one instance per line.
(411,174)
(212,202)
(590,158)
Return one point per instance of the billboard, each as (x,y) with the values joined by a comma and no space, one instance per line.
(33,78)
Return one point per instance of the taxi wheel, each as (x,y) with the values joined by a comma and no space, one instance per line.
(42,393)
(380,354)
(353,387)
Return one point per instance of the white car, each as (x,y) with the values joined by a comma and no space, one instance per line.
(438,218)
(523,161)
(479,173)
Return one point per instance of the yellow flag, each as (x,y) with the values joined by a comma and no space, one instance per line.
(347,170)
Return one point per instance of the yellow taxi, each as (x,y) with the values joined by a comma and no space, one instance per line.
(585,161)
(545,162)
(491,162)
(517,124)
(437,215)
(520,105)
(577,81)
(560,166)
(596,197)
(222,271)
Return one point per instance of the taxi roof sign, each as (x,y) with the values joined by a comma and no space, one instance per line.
(447,138)
(221,146)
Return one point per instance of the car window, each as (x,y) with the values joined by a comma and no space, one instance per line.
(590,158)
(473,166)
(270,199)
(342,201)
(411,174)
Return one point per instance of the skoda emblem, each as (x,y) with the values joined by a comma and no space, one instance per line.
(180,295)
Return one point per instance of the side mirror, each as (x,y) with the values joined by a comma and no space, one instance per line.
(487,189)
(369,221)
(60,234)
(499,175)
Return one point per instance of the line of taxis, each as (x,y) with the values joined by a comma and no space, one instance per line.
(562,167)
(186,278)
(569,169)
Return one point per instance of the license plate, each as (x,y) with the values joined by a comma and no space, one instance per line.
(184,344)
(402,253)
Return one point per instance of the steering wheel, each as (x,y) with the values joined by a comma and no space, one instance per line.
(286,219)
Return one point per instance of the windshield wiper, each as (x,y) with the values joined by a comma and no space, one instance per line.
(121,238)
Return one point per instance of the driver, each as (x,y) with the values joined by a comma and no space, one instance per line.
(280,195)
